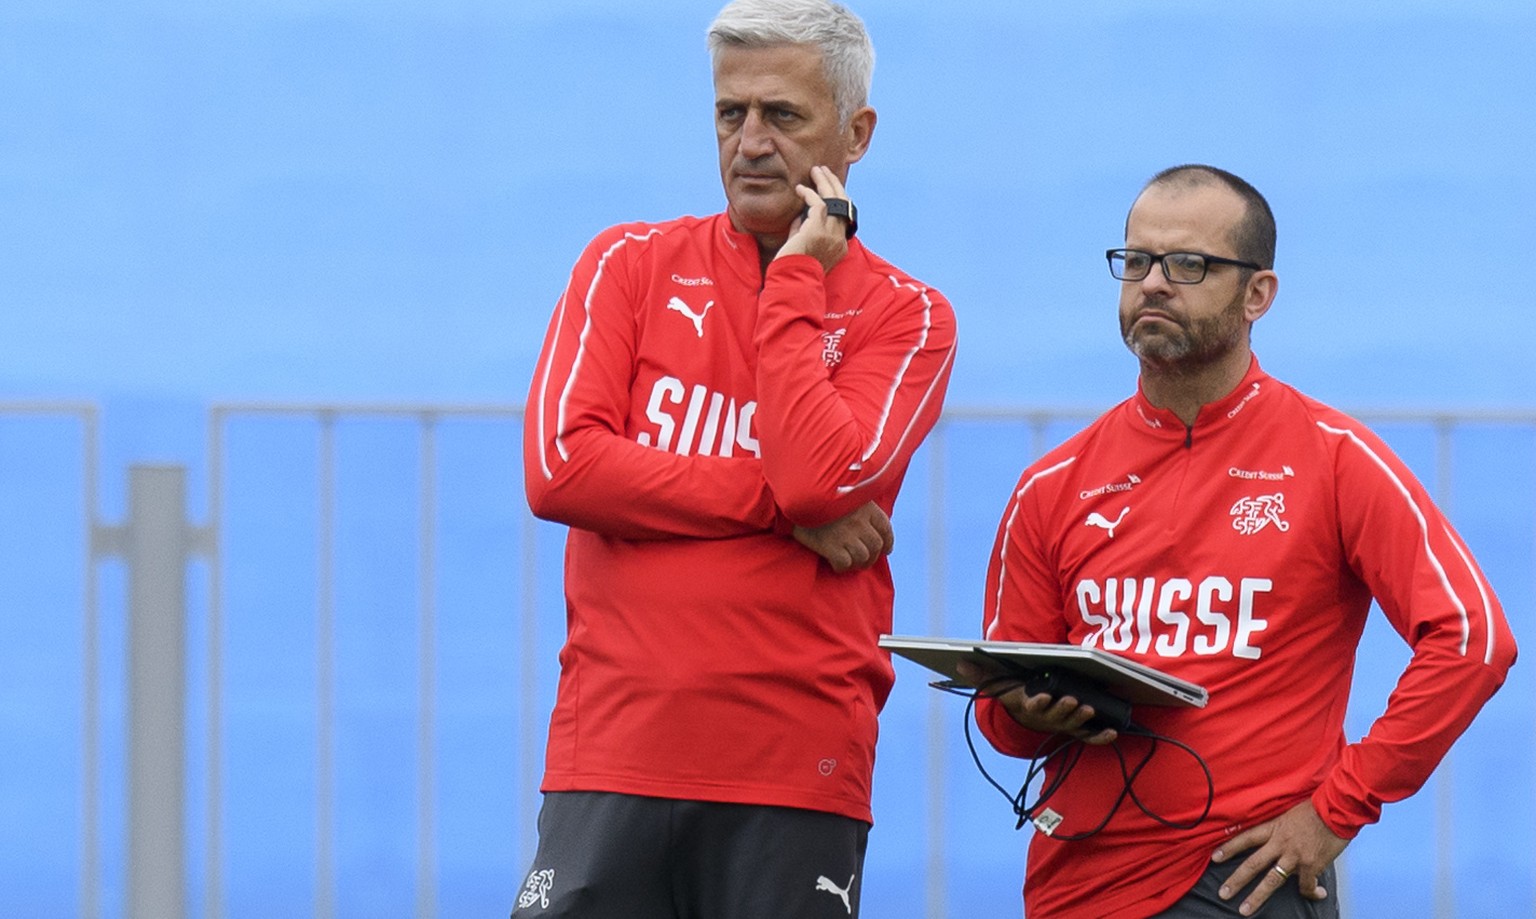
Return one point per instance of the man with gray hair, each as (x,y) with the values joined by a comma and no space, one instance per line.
(722,413)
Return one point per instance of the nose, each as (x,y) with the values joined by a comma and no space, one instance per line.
(756,138)
(1156,282)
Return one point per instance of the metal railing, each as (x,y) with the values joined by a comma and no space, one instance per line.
(426,419)
(1041,427)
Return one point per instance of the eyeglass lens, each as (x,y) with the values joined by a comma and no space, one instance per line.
(1180,267)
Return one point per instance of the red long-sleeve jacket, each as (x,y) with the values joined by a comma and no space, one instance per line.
(1242,554)
(688,409)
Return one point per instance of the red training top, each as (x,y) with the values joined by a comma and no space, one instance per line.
(687,411)
(1241,554)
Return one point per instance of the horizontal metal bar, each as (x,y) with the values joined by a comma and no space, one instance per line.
(1048,414)
(405,410)
(1034,414)
(48,407)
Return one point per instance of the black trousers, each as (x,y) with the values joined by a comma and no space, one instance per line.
(615,856)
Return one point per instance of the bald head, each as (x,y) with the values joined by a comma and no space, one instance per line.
(1253,234)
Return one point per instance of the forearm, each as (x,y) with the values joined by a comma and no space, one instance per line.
(617,487)
(830,444)
(1005,734)
(1434,702)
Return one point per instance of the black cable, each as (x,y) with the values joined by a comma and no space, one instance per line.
(1071,748)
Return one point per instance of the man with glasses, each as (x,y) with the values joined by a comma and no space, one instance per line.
(1252,527)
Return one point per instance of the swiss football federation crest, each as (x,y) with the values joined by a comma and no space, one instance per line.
(536,889)
(832,347)
(1250,515)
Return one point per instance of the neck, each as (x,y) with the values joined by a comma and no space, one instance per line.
(767,254)
(1185,390)
(767,248)
(768,243)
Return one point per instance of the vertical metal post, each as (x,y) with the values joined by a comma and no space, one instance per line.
(90,842)
(157,544)
(325,679)
(529,742)
(1445,803)
(426,784)
(1037,442)
(938,808)
(213,879)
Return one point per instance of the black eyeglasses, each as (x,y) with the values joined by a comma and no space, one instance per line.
(1178,267)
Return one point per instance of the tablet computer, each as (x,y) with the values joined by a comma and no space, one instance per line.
(1134,682)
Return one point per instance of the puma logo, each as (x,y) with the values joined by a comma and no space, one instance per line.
(697,318)
(825,883)
(1097,519)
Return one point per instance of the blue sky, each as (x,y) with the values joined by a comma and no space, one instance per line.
(359,200)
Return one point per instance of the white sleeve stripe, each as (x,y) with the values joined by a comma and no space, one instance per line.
(1482,592)
(890,395)
(917,413)
(544,387)
(1002,552)
(581,350)
(1445,583)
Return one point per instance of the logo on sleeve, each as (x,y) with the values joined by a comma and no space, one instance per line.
(678,305)
(1251,515)
(832,347)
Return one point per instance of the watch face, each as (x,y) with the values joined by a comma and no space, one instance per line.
(841,208)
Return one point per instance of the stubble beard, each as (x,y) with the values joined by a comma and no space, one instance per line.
(763,211)
(1194,345)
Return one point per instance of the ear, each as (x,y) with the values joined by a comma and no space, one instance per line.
(861,127)
(1262,287)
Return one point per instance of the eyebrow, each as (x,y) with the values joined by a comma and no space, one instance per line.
(786,104)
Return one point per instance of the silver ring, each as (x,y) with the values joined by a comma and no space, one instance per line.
(1284,875)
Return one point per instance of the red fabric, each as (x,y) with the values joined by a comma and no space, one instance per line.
(1245,557)
(687,411)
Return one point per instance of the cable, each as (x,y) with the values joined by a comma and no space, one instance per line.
(1070,748)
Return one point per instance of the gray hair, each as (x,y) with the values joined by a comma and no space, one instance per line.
(847,55)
